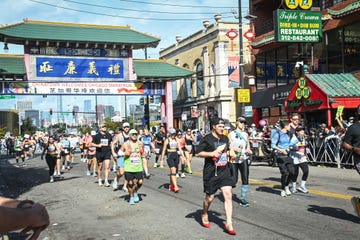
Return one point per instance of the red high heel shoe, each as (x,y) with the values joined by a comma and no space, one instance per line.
(205,224)
(231,232)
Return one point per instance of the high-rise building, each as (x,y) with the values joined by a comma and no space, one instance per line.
(109,111)
(33,115)
(87,106)
(21,106)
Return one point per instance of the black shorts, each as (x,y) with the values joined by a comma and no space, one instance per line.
(223,178)
(91,156)
(172,159)
(133,175)
(18,153)
(101,156)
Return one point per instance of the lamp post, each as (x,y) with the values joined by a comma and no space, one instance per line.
(241,54)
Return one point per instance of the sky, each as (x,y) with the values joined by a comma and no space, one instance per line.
(161,18)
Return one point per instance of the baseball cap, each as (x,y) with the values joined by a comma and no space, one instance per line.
(172,131)
(133,132)
(216,121)
(126,124)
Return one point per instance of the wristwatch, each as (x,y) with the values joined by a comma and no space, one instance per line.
(23,202)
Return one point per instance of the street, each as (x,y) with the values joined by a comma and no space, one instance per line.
(80,209)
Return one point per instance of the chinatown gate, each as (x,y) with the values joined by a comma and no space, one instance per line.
(85,59)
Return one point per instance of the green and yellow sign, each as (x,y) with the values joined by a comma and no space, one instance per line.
(298,26)
(303,4)
(302,91)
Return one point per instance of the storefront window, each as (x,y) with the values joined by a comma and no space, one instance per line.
(281,66)
(270,69)
(334,51)
(352,47)
(260,72)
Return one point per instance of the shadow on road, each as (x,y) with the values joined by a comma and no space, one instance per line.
(15,180)
(269,190)
(212,215)
(334,212)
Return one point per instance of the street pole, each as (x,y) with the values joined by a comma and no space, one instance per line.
(241,64)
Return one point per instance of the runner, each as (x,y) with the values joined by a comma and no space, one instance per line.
(217,172)
(118,154)
(351,142)
(102,142)
(133,151)
(159,144)
(146,139)
(52,150)
(240,147)
(73,145)
(190,140)
(65,152)
(173,150)
(181,140)
(91,157)
(18,147)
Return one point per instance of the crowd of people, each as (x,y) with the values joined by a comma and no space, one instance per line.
(226,153)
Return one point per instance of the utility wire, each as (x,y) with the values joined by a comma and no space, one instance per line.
(136,10)
(119,16)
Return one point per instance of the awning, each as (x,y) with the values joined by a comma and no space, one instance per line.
(270,97)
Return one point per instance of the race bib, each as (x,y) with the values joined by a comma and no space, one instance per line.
(135,160)
(104,142)
(222,160)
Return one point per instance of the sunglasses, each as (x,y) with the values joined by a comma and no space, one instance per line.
(134,134)
(242,121)
(126,127)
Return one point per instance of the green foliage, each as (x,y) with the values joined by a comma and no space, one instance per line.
(27,127)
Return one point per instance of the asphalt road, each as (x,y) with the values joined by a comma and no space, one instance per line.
(80,209)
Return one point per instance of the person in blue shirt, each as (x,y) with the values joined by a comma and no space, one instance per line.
(281,144)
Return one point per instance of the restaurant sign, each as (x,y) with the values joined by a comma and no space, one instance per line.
(297,26)
(303,94)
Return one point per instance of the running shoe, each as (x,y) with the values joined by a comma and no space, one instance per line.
(51,179)
(124,188)
(182,175)
(131,201)
(287,191)
(88,173)
(95,174)
(356,203)
(283,193)
(177,175)
(115,184)
(303,189)
(106,183)
(100,183)
(136,197)
(155,165)
(244,203)
(63,167)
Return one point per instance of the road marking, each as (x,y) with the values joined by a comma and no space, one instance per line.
(312,191)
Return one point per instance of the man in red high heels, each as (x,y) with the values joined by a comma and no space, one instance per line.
(214,147)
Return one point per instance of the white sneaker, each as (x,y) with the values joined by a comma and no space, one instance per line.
(106,183)
(177,175)
(115,184)
(51,179)
(124,188)
(100,182)
(182,175)
(283,193)
(303,189)
(293,190)
(155,165)
(287,191)
(63,167)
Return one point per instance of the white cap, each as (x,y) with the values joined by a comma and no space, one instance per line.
(126,124)
(172,130)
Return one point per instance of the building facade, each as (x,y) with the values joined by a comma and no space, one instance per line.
(279,65)
(213,54)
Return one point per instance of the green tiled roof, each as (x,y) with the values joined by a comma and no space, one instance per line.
(57,31)
(352,7)
(337,85)
(154,69)
(159,69)
(12,64)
